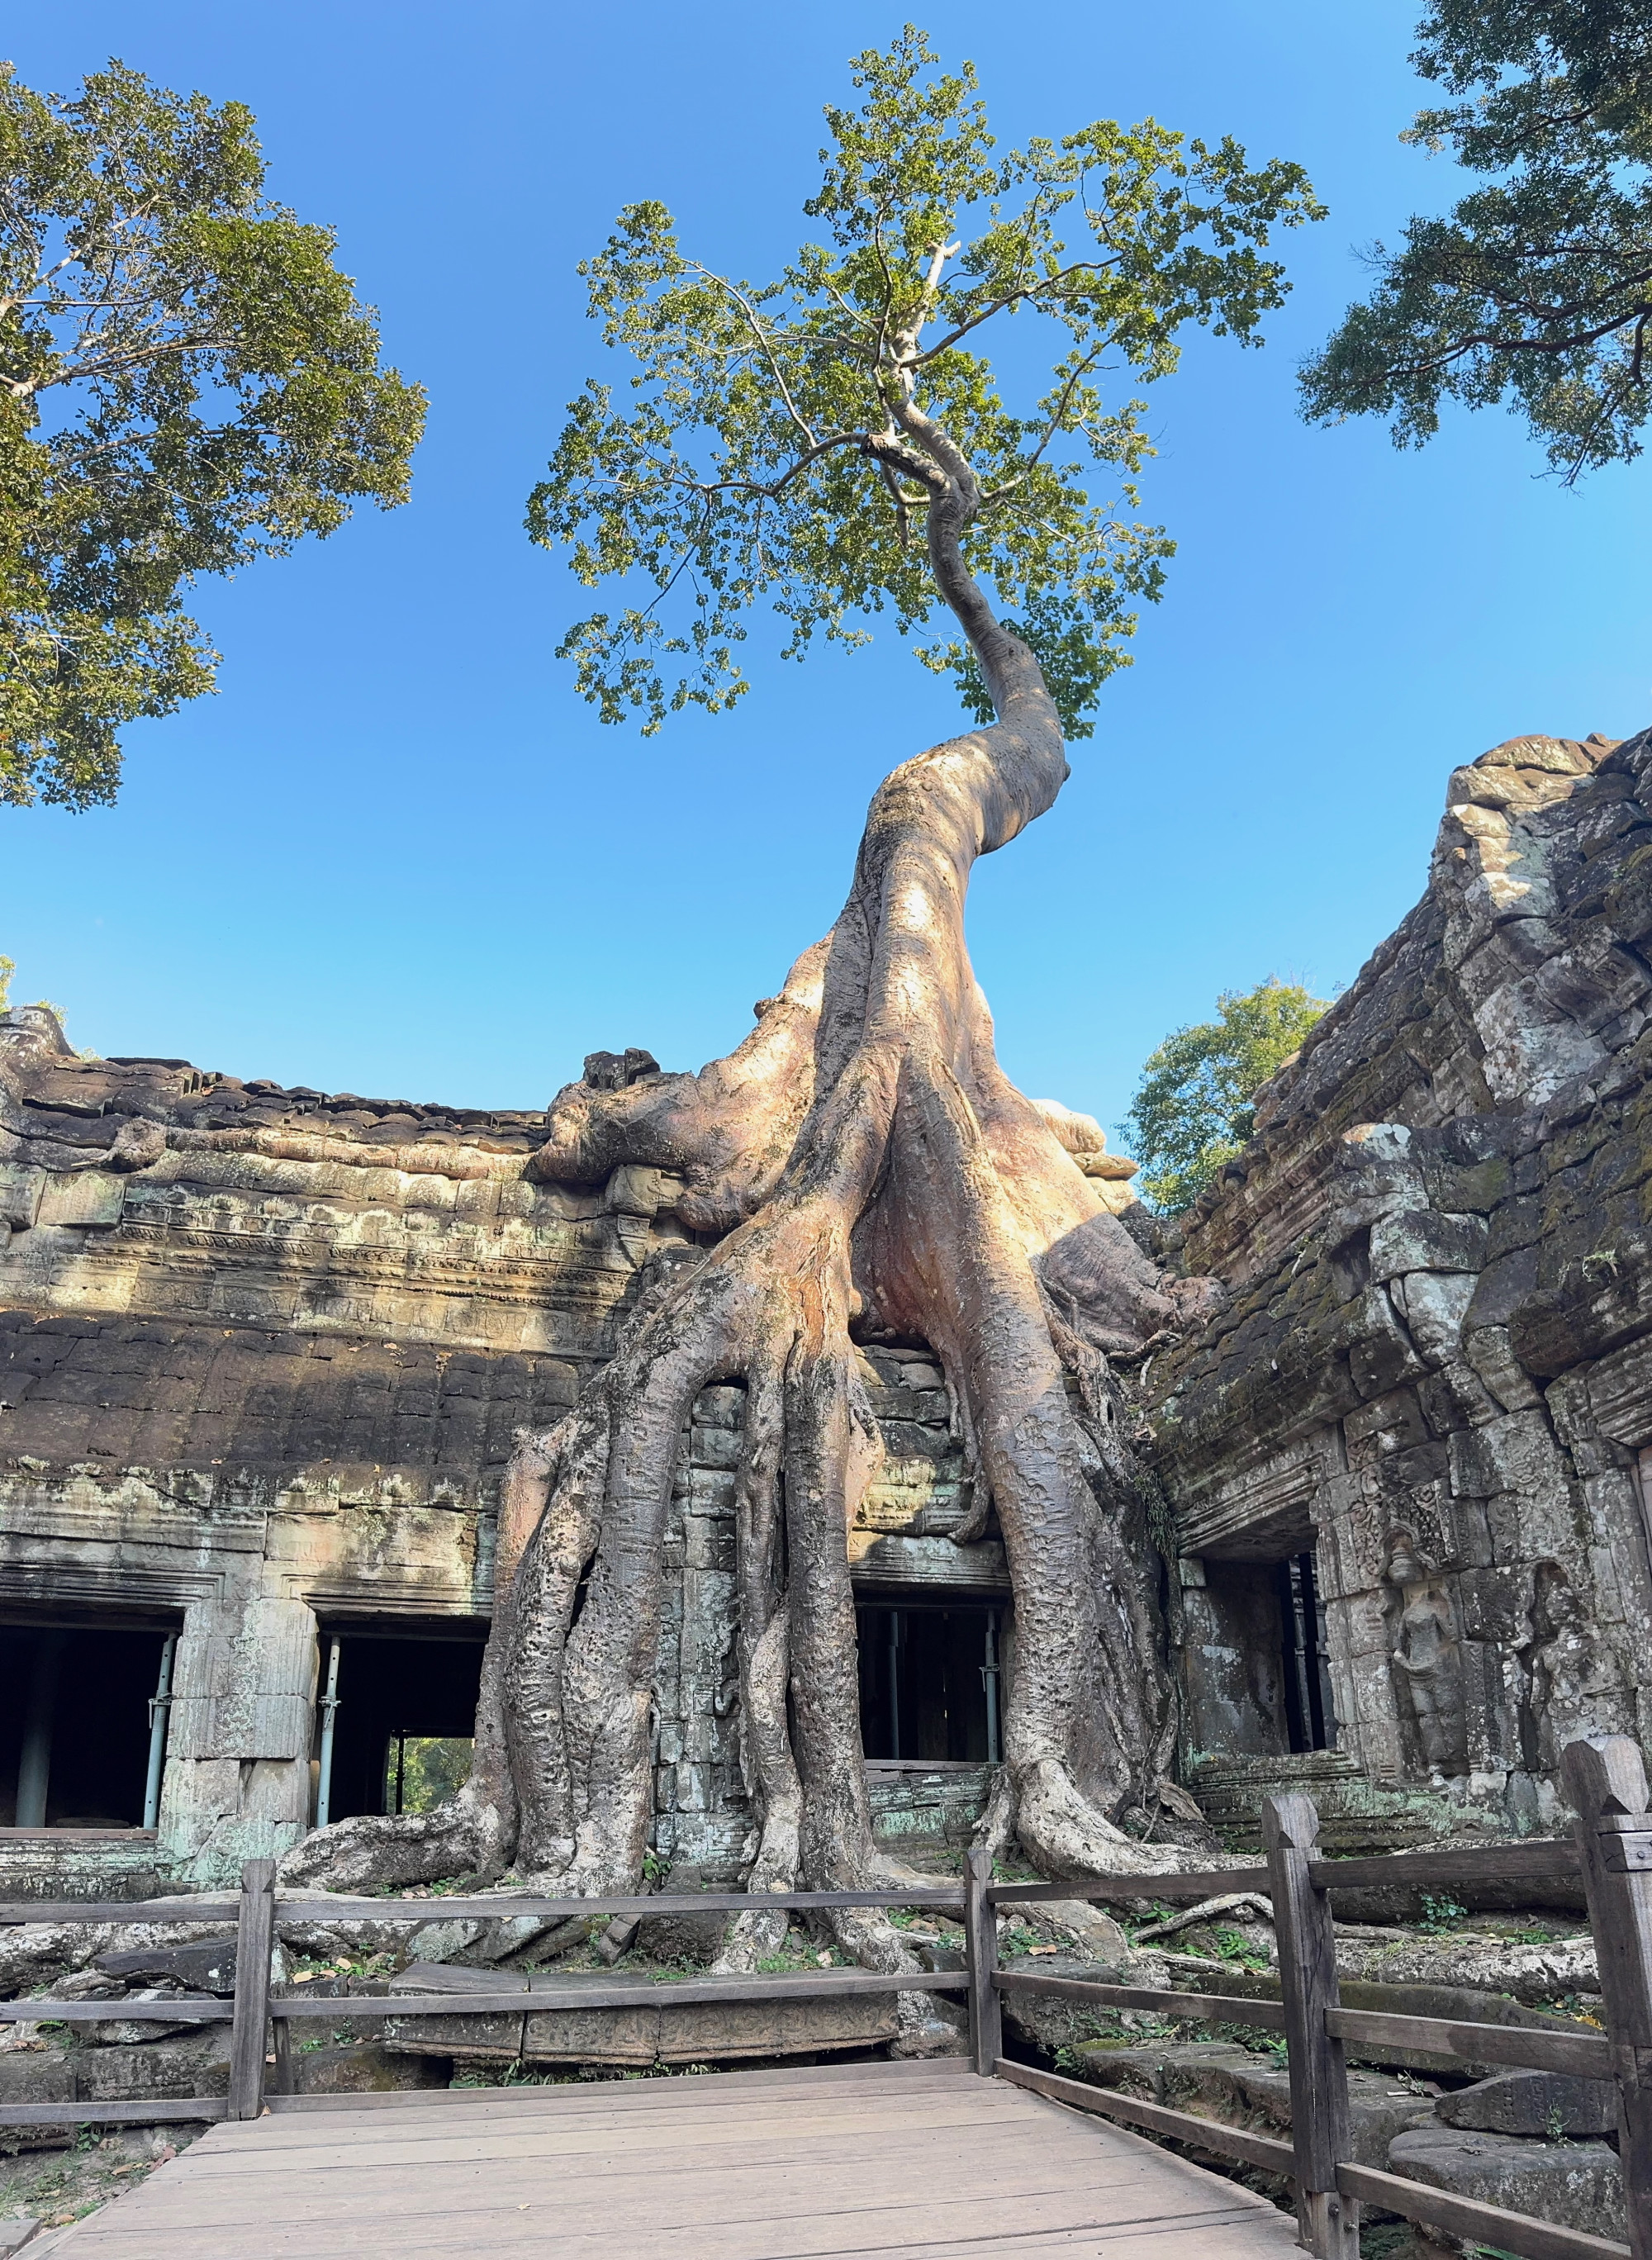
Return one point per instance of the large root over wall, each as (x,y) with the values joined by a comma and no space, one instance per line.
(872,1173)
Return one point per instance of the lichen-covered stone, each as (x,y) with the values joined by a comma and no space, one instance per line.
(1434,1369)
(1578,2184)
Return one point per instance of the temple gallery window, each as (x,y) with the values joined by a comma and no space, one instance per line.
(929,1682)
(395,1718)
(84,1709)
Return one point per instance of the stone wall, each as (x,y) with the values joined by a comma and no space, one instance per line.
(1433,1367)
(263,1353)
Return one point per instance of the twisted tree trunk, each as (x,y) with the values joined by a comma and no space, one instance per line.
(871,1169)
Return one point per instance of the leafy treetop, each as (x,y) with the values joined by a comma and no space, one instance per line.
(1538,286)
(186,383)
(783,438)
(1192,1112)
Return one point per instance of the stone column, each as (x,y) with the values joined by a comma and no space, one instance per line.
(238,1773)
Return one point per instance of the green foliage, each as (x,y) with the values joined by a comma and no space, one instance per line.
(186,383)
(765,451)
(1536,286)
(434,1768)
(1192,1112)
(1441,1913)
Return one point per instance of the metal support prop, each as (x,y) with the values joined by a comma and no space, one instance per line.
(894,1682)
(991,1673)
(329,1714)
(160,1709)
(1320,2126)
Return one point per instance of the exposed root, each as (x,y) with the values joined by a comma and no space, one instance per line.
(871,1169)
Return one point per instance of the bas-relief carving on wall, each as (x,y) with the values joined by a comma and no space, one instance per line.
(1427,1660)
(1573,1679)
(1436,1250)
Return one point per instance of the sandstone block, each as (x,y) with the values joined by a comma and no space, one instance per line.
(206,1966)
(1575,2184)
(362,2068)
(196,2063)
(714,1447)
(1543,2103)
(20,1190)
(84,1197)
(1423,1240)
(37,2075)
(720,1408)
(1241,2087)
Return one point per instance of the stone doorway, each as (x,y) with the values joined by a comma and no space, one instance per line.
(386,1697)
(83,1723)
(930,1681)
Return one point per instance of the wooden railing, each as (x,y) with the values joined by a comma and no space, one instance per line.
(256,2008)
(1611,1855)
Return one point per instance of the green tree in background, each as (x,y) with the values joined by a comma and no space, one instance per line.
(186,383)
(1538,286)
(1192,1112)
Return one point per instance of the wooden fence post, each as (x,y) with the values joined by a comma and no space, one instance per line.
(1320,2126)
(1605,1780)
(981,1953)
(254,1937)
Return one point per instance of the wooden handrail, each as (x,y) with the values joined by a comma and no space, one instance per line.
(1531,2048)
(1605,1781)
(1156,2118)
(1534,1861)
(788,1985)
(494,1906)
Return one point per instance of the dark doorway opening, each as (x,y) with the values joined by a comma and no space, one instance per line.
(929,1682)
(1309,1718)
(83,1724)
(393,1695)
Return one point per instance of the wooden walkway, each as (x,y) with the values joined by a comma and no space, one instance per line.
(917,2162)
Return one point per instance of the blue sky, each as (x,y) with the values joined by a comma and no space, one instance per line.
(396,855)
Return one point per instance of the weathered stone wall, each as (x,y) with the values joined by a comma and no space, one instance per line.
(1434,1363)
(262,1357)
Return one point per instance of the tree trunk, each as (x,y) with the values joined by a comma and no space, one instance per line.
(872,1172)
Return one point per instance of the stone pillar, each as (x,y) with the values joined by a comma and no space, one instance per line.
(237,1782)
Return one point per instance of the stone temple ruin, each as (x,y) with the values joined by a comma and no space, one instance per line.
(263,1353)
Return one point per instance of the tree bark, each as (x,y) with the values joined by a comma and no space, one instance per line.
(871,1172)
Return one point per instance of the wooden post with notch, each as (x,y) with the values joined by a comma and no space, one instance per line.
(981,1953)
(254,1938)
(1320,2134)
(1605,1780)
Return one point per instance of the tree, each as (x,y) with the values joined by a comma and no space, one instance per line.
(186,383)
(1193,1111)
(1538,286)
(836,442)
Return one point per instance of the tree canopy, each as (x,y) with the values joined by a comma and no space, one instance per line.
(187,382)
(766,448)
(1193,1111)
(1538,286)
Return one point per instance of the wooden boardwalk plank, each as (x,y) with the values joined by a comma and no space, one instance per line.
(907,2161)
